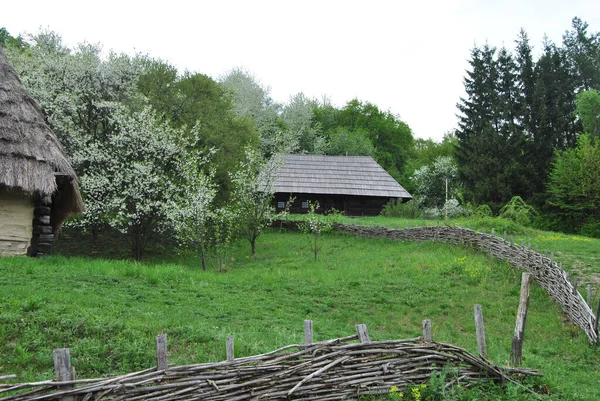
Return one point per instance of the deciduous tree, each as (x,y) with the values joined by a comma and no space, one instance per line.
(252,194)
(139,175)
(574,184)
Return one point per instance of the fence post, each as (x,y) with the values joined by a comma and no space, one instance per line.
(161,352)
(516,351)
(480,331)
(597,317)
(589,295)
(427,337)
(308,332)
(63,371)
(229,348)
(363,333)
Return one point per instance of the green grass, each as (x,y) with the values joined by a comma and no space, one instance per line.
(109,311)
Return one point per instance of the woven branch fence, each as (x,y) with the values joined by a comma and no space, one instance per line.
(332,370)
(545,271)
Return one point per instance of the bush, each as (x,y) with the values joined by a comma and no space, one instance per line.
(482,211)
(454,210)
(396,208)
(519,212)
(591,228)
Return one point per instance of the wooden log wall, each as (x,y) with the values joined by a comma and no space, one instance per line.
(42,236)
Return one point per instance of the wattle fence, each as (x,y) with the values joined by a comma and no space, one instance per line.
(544,270)
(339,369)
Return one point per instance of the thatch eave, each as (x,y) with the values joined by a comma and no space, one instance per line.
(31,156)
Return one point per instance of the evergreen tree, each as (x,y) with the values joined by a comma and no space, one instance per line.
(511,133)
(525,81)
(582,51)
(553,119)
(480,146)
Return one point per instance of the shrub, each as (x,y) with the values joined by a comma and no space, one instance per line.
(396,208)
(519,212)
(482,211)
(455,209)
(591,228)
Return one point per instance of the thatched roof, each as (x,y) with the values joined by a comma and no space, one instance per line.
(30,154)
(336,175)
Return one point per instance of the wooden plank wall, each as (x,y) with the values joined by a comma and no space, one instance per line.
(16,216)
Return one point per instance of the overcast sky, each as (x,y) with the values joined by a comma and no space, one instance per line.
(408,57)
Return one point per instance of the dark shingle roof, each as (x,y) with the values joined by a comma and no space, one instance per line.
(336,175)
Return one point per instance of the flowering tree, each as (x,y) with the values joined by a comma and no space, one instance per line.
(78,90)
(302,133)
(252,100)
(252,195)
(139,175)
(193,214)
(430,182)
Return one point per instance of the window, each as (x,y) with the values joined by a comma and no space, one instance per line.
(280,205)
(304,204)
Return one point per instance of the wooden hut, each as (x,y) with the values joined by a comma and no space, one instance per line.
(38,187)
(354,185)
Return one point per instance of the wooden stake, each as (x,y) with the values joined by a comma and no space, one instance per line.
(63,371)
(480,331)
(597,317)
(516,351)
(427,337)
(308,332)
(363,333)
(62,364)
(589,295)
(229,348)
(161,352)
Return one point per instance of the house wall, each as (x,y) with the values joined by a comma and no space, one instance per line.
(16,216)
(349,205)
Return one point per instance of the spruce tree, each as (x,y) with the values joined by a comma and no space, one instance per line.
(511,136)
(553,119)
(582,52)
(479,143)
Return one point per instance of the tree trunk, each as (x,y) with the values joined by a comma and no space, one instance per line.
(136,243)
(253,245)
(203,257)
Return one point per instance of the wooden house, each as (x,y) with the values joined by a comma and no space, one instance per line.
(354,185)
(38,187)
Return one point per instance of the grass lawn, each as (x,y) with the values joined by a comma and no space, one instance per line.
(109,311)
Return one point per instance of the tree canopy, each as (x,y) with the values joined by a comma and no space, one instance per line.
(519,111)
